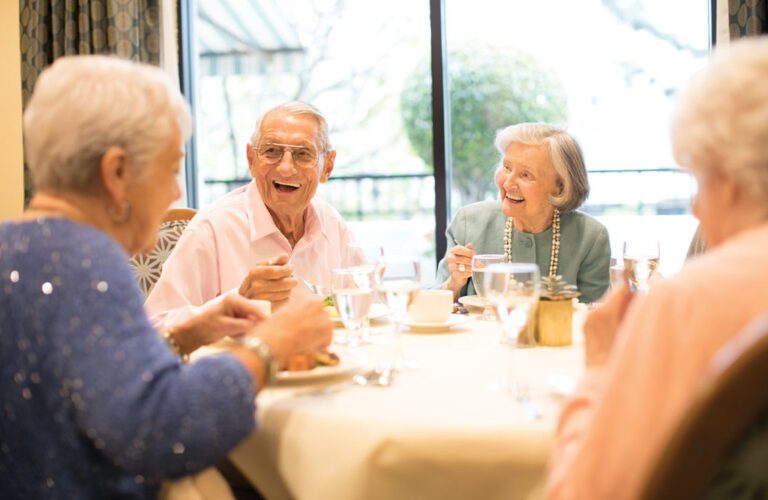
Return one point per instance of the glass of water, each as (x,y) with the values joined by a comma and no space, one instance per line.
(398,280)
(513,290)
(641,258)
(480,264)
(353,294)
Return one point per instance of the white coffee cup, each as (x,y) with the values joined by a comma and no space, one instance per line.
(432,306)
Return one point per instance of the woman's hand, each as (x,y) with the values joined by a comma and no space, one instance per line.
(460,265)
(270,280)
(232,316)
(301,327)
(602,324)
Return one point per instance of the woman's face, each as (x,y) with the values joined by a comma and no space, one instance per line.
(526,180)
(155,187)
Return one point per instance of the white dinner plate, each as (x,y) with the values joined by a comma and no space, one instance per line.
(472,301)
(377,311)
(453,320)
(348,364)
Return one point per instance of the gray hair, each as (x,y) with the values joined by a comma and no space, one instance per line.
(565,154)
(722,120)
(83,105)
(297,108)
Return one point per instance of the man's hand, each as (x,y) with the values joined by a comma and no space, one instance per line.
(269,280)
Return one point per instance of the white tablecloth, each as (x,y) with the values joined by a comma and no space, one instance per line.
(445,429)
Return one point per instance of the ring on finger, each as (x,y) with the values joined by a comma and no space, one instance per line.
(462,268)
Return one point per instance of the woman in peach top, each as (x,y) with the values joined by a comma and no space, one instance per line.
(645,354)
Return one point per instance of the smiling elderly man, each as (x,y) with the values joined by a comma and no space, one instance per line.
(256,239)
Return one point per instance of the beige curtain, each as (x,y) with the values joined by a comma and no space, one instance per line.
(54,28)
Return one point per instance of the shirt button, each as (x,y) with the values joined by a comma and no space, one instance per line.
(528,243)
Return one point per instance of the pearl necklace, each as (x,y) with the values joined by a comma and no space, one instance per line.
(554,254)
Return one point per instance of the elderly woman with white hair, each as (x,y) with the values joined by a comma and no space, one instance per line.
(647,354)
(95,402)
(542,181)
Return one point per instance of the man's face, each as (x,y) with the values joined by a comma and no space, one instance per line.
(287,163)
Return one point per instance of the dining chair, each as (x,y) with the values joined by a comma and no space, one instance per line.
(710,443)
(148,266)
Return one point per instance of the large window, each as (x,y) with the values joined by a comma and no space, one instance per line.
(608,70)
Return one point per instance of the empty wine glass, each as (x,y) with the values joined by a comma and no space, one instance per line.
(479,264)
(513,289)
(352,294)
(641,258)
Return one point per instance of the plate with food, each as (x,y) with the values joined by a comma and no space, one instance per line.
(474,302)
(320,365)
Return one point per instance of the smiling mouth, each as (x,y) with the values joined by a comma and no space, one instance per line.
(285,187)
(515,199)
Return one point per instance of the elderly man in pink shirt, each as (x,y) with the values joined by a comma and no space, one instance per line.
(257,239)
(646,354)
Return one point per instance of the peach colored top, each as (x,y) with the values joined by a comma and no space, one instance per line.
(614,428)
(225,240)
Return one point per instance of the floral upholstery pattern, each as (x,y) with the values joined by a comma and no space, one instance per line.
(149,266)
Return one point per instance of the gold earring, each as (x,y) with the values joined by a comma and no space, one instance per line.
(121,215)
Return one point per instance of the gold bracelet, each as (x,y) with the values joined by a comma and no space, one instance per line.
(170,338)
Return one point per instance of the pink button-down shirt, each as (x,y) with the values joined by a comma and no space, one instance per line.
(613,431)
(224,241)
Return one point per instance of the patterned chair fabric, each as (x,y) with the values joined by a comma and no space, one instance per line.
(148,266)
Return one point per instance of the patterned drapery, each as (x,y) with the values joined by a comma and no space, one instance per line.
(747,18)
(54,28)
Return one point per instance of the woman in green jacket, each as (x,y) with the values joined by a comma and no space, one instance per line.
(542,181)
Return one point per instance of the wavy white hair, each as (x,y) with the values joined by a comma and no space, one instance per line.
(297,108)
(83,105)
(565,153)
(722,118)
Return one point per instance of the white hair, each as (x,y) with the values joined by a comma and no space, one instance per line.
(565,154)
(83,105)
(722,120)
(297,108)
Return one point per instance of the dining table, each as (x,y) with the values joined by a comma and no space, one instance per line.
(448,426)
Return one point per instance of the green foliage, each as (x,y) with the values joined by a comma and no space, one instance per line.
(490,89)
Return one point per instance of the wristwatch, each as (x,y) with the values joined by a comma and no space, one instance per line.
(264,352)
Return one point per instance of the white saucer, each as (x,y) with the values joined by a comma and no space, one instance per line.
(453,320)
(472,301)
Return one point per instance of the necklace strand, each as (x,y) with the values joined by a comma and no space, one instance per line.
(554,255)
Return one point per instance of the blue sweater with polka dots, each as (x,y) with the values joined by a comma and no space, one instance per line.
(94,405)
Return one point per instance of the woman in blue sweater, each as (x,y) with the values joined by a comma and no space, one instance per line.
(94,403)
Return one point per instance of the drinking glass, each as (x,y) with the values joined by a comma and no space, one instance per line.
(641,258)
(479,265)
(398,280)
(353,293)
(513,290)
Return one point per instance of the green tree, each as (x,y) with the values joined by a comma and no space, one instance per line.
(490,89)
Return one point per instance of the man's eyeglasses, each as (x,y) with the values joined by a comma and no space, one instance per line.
(272,153)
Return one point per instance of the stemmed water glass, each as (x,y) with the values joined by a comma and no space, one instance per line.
(398,280)
(641,258)
(513,290)
(479,265)
(352,294)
